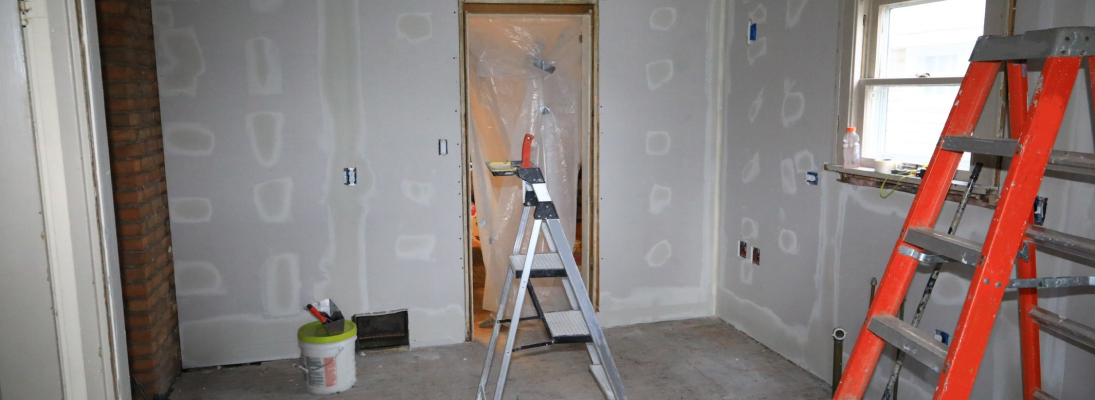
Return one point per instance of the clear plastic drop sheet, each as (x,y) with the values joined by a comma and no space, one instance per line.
(524,76)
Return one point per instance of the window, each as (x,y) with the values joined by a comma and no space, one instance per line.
(914,54)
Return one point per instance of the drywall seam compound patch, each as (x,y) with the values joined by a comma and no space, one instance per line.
(754,109)
(657,143)
(180,63)
(794,12)
(752,169)
(415,247)
(794,104)
(188,139)
(197,278)
(265,130)
(281,284)
(660,197)
(418,192)
(658,73)
(414,28)
(663,18)
(787,172)
(274,199)
(190,209)
(263,67)
(659,254)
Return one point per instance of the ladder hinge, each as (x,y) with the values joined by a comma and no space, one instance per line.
(24,9)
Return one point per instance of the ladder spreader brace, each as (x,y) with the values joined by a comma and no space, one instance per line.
(1011,232)
(578,325)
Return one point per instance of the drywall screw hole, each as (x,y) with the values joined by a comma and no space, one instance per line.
(1068,38)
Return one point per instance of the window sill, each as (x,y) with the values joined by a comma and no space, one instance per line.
(982,195)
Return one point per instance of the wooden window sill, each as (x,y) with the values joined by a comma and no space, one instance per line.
(983,195)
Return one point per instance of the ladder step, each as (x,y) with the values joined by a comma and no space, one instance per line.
(544,265)
(914,342)
(1075,331)
(950,246)
(567,327)
(1081,247)
(1054,282)
(1062,161)
(1040,395)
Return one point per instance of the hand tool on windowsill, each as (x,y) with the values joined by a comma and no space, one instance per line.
(891,385)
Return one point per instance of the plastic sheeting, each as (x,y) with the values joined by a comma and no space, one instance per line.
(525,76)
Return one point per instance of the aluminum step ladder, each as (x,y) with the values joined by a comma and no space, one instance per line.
(578,325)
(1012,236)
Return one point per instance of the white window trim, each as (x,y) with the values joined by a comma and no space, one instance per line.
(858,28)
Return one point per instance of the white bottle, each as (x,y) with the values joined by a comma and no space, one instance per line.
(851,148)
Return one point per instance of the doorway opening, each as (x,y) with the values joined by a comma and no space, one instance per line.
(526,68)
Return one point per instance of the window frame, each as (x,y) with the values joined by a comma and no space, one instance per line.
(857,73)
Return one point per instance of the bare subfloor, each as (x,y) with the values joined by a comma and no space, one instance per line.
(692,359)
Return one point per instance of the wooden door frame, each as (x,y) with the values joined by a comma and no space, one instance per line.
(590,159)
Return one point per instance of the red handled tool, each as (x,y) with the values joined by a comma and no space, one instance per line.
(318,314)
(526,151)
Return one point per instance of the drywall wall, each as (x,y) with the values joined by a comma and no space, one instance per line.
(265,102)
(822,244)
(659,69)
(29,359)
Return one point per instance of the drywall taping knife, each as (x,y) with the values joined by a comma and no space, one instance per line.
(891,385)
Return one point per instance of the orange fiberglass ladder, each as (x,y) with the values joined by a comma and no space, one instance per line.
(1011,231)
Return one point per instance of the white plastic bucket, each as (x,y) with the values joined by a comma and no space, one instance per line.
(327,361)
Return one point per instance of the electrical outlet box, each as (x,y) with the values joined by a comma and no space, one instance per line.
(743,249)
(756,256)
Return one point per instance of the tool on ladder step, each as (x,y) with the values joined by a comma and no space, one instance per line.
(1033,132)
(578,325)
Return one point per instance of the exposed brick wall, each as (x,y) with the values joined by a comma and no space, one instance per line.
(127,49)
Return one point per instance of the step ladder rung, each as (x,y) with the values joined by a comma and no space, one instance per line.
(1075,331)
(1077,246)
(1040,395)
(1052,282)
(544,265)
(1062,161)
(567,327)
(914,342)
(959,249)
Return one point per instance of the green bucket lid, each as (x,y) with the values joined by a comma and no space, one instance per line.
(314,333)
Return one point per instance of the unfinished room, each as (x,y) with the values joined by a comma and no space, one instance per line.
(547,199)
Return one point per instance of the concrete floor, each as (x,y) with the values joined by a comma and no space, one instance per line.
(691,359)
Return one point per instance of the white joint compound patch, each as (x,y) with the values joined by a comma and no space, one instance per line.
(663,18)
(757,50)
(180,61)
(263,67)
(804,161)
(415,247)
(794,104)
(657,143)
(752,169)
(788,241)
(265,131)
(660,197)
(659,254)
(273,199)
(749,228)
(658,73)
(190,209)
(794,12)
(414,28)
(759,14)
(188,139)
(787,171)
(197,278)
(754,109)
(418,192)
(266,6)
(281,285)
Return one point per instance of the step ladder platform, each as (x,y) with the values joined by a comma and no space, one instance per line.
(567,327)
(544,265)
(1069,162)
(914,342)
(1055,42)
(1040,395)
(959,249)
(1076,332)
(503,168)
